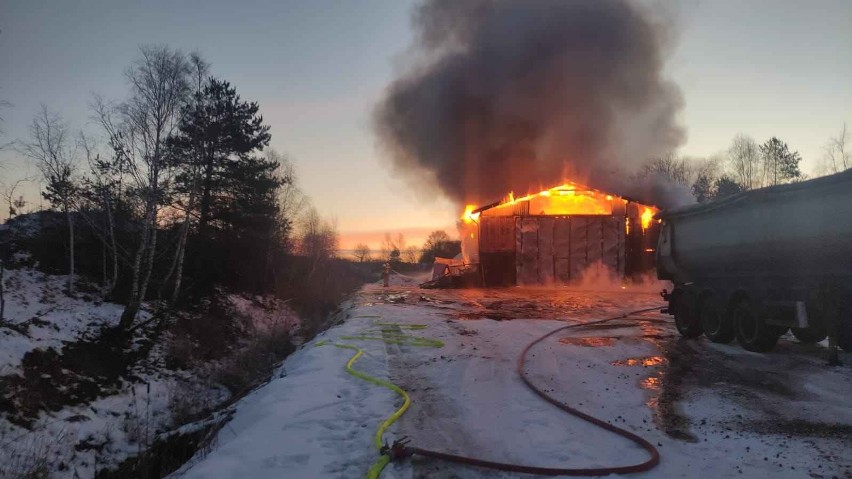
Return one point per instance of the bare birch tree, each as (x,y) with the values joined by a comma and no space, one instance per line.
(362,252)
(199,70)
(137,130)
(410,254)
(103,186)
(51,149)
(386,247)
(291,200)
(670,167)
(745,161)
(399,242)
(318,239)
(3,104)
(14,201)
(838,152)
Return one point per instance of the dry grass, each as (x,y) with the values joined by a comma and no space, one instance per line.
(30,457)
(191,400)
(254,361)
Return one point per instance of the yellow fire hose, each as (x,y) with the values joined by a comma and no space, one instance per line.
(389,333)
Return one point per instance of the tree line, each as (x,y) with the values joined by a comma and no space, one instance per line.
(748,165)
(176,193)
(394,249)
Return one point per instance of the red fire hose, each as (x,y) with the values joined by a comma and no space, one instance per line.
(400,448)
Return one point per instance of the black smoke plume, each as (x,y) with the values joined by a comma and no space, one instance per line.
(503,95)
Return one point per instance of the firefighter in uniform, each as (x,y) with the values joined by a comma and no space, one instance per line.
(386,275)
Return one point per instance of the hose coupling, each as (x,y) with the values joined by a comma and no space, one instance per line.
(397,450)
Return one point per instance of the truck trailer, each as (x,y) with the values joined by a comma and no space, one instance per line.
(753,265)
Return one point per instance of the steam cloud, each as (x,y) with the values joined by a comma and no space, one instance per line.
(504,95)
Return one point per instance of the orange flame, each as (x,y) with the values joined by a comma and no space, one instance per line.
(566,199)
(469,216)
(647,217)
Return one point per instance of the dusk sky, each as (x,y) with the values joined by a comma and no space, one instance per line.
(318,67)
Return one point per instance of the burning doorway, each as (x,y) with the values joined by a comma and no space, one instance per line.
(555,235)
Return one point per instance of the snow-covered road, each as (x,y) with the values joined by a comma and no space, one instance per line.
(712,410)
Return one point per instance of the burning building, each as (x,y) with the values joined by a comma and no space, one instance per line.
(501,95)
(555,235)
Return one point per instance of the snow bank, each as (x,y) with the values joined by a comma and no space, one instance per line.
(77,441)
(42,316)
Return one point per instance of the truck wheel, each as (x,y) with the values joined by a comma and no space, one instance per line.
(717,325)
(809,335)
(686,319)
(753,333)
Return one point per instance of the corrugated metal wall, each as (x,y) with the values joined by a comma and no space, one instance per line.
(552,249)
(497,234)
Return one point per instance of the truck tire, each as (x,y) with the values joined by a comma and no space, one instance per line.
(753,333)
(716,323)
(810,335)
(686,319)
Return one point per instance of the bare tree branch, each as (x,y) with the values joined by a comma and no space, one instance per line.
(745,161)
(838,152)
(55,155)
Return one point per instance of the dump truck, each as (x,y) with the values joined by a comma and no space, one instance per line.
(753,265)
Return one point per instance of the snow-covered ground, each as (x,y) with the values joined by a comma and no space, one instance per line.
(712,410)
(77,440)
(36,304)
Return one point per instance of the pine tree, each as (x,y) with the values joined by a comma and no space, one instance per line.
(231,190)
(726,186)
(702,188)
(218,134)
(780,164)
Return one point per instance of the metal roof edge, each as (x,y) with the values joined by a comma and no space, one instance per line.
(843,176)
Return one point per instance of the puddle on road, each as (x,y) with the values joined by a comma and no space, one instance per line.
(394,298)
(645,362)
(655,384)
(590,342)
(664,395)
(664,386)
(555,303)
(598,341)
(385,297)
(630,321)
(474,315)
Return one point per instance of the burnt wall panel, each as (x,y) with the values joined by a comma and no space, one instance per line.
(527,229)
(594,239)
(579,240)
(497,234)
(612,244)
(562,248)
(546,267)
(549,249)
(498,269)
